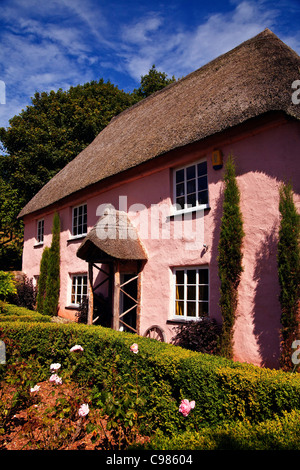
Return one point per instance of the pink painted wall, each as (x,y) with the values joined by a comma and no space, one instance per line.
(264,159)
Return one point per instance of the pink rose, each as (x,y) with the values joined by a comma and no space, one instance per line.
(56,379)
(134,348)
(186,406)
(77,347)
(83,410)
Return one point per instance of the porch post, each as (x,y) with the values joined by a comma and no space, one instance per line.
(116,300)
(90,295)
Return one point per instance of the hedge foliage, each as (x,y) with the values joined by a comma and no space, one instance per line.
(9,312)
(224,391)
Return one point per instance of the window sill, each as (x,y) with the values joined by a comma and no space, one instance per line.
(183,320)
(189,210)
(38,245)
(72,307)
(76,238)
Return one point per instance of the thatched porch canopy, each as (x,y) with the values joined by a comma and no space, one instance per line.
(113,237)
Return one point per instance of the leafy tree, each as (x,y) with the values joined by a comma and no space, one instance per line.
(288,260)
(230,256)
(151,82)
(46,136)
(7,285)
(53,273)
(42,280)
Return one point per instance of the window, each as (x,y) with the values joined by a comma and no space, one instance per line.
(191,186)
(79,220)
(40,231)
(79,289)
(191,292)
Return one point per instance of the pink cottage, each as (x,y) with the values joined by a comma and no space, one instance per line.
(140,207)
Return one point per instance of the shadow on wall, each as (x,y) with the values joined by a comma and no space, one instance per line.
(267,319)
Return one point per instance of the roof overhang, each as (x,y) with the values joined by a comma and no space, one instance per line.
(112,237)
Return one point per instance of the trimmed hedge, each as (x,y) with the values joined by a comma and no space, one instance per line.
(224,391)
(281,433)
(9,312)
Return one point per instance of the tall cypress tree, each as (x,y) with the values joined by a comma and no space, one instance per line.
(230,256)
(42,281)
(53,277)
(288,261)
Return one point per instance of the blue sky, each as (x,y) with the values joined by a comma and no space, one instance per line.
(51,44)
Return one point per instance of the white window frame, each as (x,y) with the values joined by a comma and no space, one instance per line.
(82,234)
(185,317)
(40,227)
(75,277)
(198,206)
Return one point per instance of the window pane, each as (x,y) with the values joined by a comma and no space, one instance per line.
(202,168)
(203,309)
(190,172)
(180,175)
(191,200)
(191,276)
(179,277)
(180,202)
(191,309)
(180,189)
(191,292)
(191,186)
(203,276)
(203,197)
(203,292)
(179,308)
(202,183)
(180,292)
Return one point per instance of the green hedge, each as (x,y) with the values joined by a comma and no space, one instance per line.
(224,391)
(281,433)
(9,312)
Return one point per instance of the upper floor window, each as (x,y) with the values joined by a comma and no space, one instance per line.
(191,293)
(191,186)
(40,231)
(79,220)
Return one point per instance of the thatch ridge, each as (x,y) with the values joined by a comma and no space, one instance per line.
(250,80)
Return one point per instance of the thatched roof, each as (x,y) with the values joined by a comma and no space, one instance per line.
(248,81)
(113,237)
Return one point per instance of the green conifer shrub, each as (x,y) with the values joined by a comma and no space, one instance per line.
(42,280)
(288,262)
(53,276)
(230,256)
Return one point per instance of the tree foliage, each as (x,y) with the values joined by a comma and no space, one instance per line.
(46,136)
(41,293)
(288,260)
(153,81)
(230,256)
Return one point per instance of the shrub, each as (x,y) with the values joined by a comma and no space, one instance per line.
(26,294)
(53,271)
(222,389)
(230,256)
(7,285)
(288,260)
(202,336)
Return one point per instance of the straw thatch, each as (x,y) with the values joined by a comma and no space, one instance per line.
(113,237)
(253,79)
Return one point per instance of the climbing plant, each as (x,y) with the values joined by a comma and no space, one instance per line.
(230,256)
